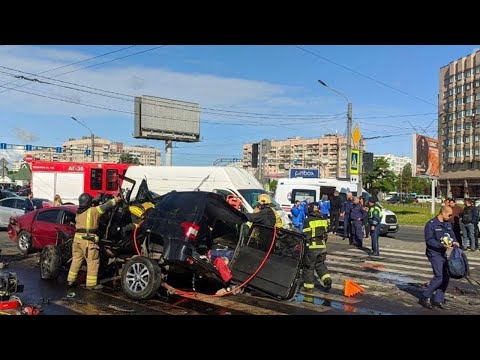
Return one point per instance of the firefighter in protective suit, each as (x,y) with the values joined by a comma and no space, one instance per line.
(266,214)
(85,243)
(315,231)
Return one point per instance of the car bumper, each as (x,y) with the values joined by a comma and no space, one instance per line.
(388,228)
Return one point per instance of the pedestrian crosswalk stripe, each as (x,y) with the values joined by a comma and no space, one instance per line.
(387,269)
(385,264)
(420,256)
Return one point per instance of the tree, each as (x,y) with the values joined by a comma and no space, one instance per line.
(381,178)
(405,182)
(128,159)
(273,185)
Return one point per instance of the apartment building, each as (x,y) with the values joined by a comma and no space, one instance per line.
(459,127)
(396,163)
(277,157)
(105,151)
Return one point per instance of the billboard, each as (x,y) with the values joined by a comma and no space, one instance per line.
(166,119)
(304,173)
(425,157)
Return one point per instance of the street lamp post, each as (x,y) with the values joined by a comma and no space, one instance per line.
(92,136)
(349,124)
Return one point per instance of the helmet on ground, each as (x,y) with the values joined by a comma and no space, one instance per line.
(264,199)
(85,200)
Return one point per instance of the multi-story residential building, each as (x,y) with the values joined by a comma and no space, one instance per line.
(105,151)
(327,153)
(459,127)
(397,163)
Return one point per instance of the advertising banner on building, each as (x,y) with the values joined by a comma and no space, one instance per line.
(426,162)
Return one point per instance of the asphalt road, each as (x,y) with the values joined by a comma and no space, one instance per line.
(389,284)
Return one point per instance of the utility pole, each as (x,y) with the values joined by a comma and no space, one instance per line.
(91,135)
(360,168)
(349,125)
(349,138)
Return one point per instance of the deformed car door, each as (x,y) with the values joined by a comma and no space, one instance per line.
(279,272)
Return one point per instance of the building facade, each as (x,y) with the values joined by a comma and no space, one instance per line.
(459,127)
(276,158)
(105,151)
(397,163)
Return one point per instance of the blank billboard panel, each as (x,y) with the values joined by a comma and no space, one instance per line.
(166,119)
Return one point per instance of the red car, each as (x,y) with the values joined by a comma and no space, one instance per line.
(37,229)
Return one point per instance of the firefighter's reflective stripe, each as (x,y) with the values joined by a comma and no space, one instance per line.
(313,225)
(308,285)
(136,211)
(326,276)
(315,245)
(91,280)
(278,219)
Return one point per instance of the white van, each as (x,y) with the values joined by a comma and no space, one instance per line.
(222,180)
(291,189)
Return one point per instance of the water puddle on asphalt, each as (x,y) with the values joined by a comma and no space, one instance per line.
(315,300)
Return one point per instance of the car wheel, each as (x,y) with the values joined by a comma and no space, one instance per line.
(141,278)
(50,262)
(24,242)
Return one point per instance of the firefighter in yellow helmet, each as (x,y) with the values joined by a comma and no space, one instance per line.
(316,235)
(266,215)
(85,242)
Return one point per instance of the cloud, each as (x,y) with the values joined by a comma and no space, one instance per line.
(45,99)
(25,135)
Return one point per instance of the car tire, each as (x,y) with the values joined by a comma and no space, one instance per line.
(141,278)
(50,262)
(24,242)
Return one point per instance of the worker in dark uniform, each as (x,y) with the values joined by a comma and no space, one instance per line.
(438,236)
(315,230)
(357,213)
(374,219)
(347,208)
(85,242)
(335,209)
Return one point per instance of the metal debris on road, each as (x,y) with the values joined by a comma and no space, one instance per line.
(118,308)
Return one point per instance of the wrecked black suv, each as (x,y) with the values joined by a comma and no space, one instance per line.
(184,229)
(193,232)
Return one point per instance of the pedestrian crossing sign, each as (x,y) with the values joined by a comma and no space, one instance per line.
(355,162)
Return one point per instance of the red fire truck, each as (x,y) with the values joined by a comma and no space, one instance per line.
(70,179)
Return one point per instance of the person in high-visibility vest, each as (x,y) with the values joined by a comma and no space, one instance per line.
(85,243)
(315,230)
(374,219)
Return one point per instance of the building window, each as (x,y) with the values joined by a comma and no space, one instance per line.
(477,83)
(469,99)
(451,154)
(467,139)
(460,76)
(468,86)
(450,128)
(477,96)
(477,70)
(466,126)
(468,73)
(458,153)
(476,138)
(459,102)
(458,140)
(477,151)
(459,89)
(467,152)
(468,112)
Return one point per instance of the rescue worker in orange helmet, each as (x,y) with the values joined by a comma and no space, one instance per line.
(316,228)
(85,243)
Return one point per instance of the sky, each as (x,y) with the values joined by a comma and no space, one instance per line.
(246,93)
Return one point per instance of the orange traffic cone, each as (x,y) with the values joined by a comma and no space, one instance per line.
(352,288)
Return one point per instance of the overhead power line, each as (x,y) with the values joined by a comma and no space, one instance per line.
(71,64)
(366,76)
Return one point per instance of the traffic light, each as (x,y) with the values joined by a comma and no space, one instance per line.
(367,164)
(255,155)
